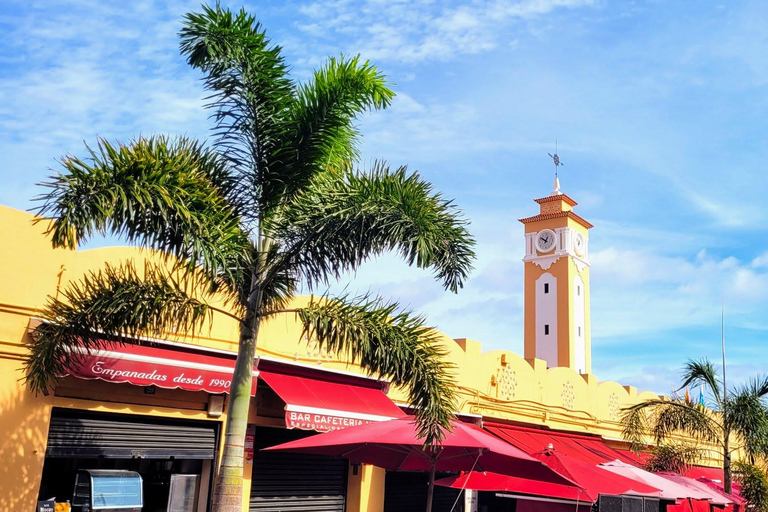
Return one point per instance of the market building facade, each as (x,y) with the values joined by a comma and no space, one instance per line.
(158,407)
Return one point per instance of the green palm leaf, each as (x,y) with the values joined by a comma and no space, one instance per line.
(322,116)
(747,416)
(702,373)
(251,94)
(391,343)
(341,220)
(165,194)
(116,304)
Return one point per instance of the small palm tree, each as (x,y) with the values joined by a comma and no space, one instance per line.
(273,203)
(753,484)
(738,415)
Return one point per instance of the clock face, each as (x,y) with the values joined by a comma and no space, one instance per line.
(545,240)
(578,244)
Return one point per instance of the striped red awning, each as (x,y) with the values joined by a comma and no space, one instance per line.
(170,368)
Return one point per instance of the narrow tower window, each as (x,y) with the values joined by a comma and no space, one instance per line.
(578,291)
(546,329)
(579,330)
(546,287)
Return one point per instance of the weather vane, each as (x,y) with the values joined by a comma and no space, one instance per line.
(556,159)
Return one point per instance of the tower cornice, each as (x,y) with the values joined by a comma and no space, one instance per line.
(559,197)
(547,216)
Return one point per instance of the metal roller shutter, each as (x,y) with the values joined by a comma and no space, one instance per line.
(290,482)
(407,492)
(78,434)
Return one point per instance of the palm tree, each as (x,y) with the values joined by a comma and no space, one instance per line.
(738,415)
(273,203)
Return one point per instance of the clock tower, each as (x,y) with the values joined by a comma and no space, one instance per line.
(557,327)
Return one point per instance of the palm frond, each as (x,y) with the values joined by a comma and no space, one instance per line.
(160,193)
(675,457)
(343,219)
(112,305)
(757,385)
(635,426)
(680,416)
(661,419)
(746,415)
(323,117)
(392,344)
(251,94)
(702,372)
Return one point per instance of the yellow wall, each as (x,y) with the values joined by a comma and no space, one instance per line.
(365,491)
(30,271)
(497,384)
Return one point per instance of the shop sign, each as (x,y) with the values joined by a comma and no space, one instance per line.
(321,422)
(150,366)
(45,506)
(250,436)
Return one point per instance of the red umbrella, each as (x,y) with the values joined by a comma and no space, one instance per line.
(708,492)
(489,481)
(593,479)
(395,445)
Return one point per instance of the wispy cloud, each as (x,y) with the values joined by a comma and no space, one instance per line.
(93,68)
(423,30)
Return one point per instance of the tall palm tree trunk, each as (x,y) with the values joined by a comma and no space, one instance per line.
(727,486)
(228,486)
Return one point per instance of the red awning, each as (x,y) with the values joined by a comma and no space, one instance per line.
(330,402)
(714,474)
(585,448)
(153,366)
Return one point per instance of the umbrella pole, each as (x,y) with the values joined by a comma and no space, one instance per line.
(431,488)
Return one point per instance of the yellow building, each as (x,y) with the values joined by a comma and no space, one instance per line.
(45,439)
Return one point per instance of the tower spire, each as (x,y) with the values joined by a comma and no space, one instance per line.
(558,163)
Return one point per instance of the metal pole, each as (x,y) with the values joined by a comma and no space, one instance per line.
(431,488)
(722,341)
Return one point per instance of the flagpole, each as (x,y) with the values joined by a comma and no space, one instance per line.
(722,340)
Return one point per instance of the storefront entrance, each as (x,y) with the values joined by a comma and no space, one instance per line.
(284,481)
(406,491)
(156,448)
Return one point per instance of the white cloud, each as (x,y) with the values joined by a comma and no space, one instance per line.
(424,30)
(761,261)
(93,68)
(639,292)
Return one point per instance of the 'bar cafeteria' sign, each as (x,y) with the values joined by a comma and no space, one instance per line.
(164,368)
(320,422)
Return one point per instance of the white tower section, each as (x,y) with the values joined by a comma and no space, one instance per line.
(546,319)
(579,325)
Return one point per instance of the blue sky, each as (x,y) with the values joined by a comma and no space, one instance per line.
(659,107)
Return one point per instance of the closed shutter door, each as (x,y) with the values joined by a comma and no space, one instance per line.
(79,434)
(288,482)
(407,492)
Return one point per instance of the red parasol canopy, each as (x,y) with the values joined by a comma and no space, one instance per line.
(592,478)
(669,489)
(708,492)
(395,445)
(489,481)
